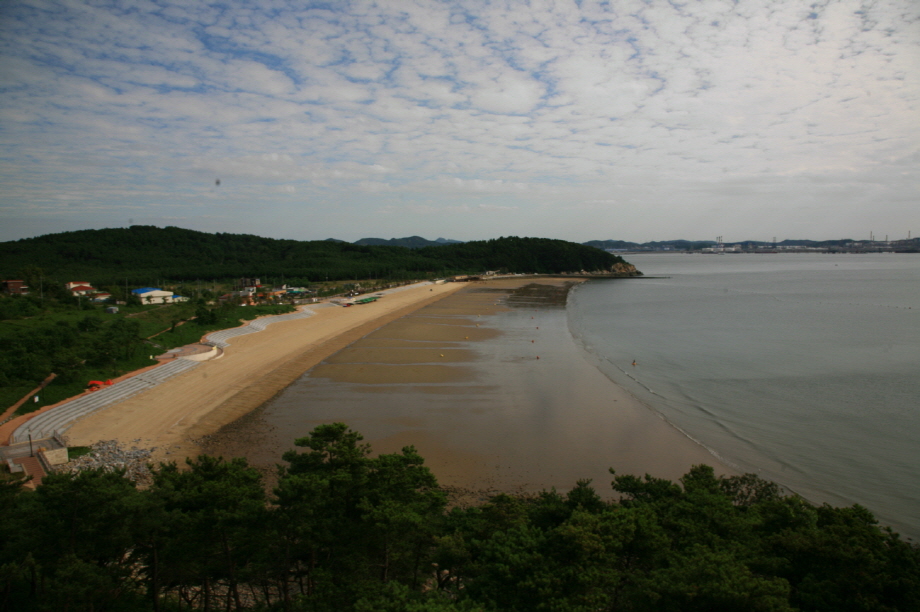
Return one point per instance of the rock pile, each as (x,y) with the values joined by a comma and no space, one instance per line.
(624,269)
(108,455)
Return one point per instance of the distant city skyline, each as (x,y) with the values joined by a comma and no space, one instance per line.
(465,120)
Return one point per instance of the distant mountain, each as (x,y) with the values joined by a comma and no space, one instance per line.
(810,243)
(611,244)
(412,242)
(678,245)
(847,244)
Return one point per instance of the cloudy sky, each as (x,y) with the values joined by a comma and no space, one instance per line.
(462,119)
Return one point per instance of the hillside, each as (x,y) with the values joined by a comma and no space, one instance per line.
(149,255)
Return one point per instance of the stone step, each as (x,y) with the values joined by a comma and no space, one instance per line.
(60,418)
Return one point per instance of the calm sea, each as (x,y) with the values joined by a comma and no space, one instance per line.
(804,369)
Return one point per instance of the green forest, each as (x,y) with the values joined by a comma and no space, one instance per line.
(344,530)
(147,255)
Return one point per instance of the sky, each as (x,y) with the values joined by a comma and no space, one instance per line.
(467,120)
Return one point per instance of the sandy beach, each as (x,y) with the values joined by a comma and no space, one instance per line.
(489,386)
(173,416)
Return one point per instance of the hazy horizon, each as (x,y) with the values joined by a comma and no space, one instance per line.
(465,120)
(449,239)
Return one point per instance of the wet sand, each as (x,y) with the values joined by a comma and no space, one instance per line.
(491,389)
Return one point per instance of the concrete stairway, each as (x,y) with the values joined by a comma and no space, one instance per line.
(33,467)
(60,418)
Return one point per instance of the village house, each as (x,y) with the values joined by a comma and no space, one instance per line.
(84,289)
(14,287)
(78,289)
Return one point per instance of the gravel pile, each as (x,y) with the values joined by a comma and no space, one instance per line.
(109,456)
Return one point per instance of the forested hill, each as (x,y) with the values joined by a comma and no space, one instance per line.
(143,254)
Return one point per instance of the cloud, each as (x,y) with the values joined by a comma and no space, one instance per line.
(536,106)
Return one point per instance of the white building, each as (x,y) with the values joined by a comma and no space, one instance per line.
(152,295)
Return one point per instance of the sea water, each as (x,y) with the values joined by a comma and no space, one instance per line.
(802,368)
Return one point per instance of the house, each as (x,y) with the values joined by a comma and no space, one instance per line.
(83,288)
(152,295)
(14,287)
(76,290)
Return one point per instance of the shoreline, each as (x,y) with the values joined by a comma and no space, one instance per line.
(488,404)
(596,361)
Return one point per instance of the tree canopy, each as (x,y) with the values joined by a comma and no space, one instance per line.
(346,530)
